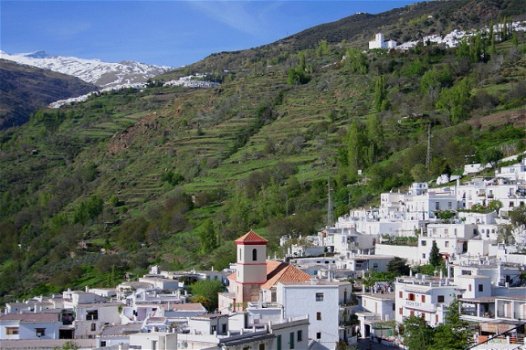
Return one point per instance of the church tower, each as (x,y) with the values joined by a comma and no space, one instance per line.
(251,266)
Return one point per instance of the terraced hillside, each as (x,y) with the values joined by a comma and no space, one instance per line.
(171,175)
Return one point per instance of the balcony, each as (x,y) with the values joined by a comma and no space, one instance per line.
(416,305)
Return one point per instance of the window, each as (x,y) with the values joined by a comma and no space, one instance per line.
(319,296)
(511,204)
(400,294)
(261,346)
(440,298)
(254,254)
(423,243)
(318,316)
(437,206)
(393,307)
(411,297)
(291,340)
(102,343)
(278,342)
(400,310)
(318,335)
(223,328)
(40,332)
(449,205)
(246,348)
(92,315)
(300,335)
(93,327)
(423,255)
(469,287)
(240,254)
(11,330)
(481,287)
(423,298)
(446,244)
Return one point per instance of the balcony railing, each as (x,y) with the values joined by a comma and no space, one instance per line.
(413,304)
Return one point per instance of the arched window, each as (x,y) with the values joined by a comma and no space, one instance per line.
(254,254)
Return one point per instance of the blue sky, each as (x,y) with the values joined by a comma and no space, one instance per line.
(165,32)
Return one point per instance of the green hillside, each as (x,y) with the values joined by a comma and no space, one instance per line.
(171,175)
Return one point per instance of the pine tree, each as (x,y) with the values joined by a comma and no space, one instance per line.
(434,256)
(454,333)
(417,333)
(380,94)
(356,148)
(375,138)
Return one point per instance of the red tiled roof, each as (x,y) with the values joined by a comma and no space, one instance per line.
(286,275)
(251,238)
(272,267)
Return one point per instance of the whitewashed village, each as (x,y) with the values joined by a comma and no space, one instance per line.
(459,241)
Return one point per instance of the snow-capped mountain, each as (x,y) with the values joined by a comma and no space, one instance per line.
(95,71)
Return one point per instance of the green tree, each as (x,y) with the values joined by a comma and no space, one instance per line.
(205,292)
(495,205)
(298,75)
(356,149)
(456,100)
(434,256)
(375,138)
(491,156)
(323,48)
(454,333)
(88,209)
(398,266)
(518,216)
(380,102)
(207,237)
(492,48)
(417,334)
(419,172)
(356,61)
(434,80)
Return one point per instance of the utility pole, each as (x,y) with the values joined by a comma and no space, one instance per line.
(428,154)
(329,203)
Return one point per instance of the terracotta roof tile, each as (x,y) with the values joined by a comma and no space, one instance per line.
(273,266)
(288,274)
(251,237)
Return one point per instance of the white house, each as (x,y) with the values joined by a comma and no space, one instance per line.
(425,297)
(90,318)
(30,326)
(154,341)
(321,301)
(376,308)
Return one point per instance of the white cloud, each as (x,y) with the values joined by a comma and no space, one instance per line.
(238,15)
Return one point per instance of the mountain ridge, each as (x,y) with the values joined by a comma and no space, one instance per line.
(94,71)
(24,89)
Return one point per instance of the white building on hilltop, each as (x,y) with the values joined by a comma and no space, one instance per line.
(379,43)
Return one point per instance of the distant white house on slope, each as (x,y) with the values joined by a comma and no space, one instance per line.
(380,43)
